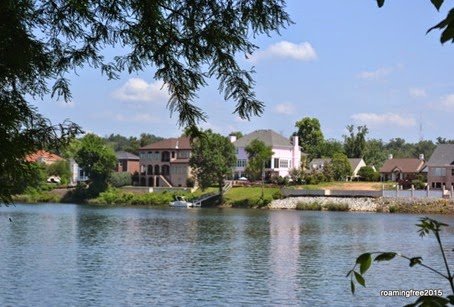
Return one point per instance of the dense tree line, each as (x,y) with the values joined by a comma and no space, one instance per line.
(356,145)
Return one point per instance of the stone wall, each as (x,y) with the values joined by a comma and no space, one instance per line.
(354,204)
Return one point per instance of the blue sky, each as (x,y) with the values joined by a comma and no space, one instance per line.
(343,62)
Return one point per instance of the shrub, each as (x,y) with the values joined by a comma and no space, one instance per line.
(190,182)
(120,179)
(336,207)
(314,206)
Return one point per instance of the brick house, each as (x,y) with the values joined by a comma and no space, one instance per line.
(127,162)
(401,169)
(165,163)
(440,167)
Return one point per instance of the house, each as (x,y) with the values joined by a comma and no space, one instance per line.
(77,174)
(356,164)
(127,162)
(401,169)
(45,157)
(165,163)
(440,167)
(286,155)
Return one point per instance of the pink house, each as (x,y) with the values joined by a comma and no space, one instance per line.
(286,154)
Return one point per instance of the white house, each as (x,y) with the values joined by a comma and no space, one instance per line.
(77,173)
(286,154)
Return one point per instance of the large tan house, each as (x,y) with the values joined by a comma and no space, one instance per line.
(165,163)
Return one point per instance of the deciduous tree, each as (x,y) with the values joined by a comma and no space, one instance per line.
(185,41)
(309,134)
(213,159)
(98,160)
(258,155)
(355,143)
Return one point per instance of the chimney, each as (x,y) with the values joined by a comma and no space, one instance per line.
(390,156)
(421,157)
(232,138)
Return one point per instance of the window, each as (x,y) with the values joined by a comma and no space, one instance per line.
(452,171)
(157,155)
(150,155)
(276,162)
(183,154)
(438,171)
(283,163)
(241,163)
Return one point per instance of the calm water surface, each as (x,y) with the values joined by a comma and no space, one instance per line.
(74,255)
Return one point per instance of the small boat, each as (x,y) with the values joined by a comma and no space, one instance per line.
(181,202)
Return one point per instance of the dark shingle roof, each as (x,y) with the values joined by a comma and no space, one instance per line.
(172,143)
(123,155)
(405,165)
(269,137)
(443,155)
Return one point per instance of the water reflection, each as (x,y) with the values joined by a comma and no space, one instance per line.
(82,255)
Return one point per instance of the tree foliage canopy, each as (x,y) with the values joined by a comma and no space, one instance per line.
(258,154)
(213,158)
(98,160)
(310,135)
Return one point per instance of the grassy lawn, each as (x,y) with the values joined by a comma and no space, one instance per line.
(238,194)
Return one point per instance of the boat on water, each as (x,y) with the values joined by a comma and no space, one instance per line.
(181,202)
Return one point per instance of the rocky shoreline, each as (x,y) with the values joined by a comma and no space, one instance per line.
(363,204)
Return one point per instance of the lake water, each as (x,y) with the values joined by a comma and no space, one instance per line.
(75,255)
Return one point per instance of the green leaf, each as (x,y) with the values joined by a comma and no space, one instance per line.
(349,272)
(352,286)
(360,279)
(385,256)
(437,3)
(415,260)
(364,261)
(380,3)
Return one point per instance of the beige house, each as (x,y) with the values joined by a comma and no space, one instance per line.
(401,169)
(165,163)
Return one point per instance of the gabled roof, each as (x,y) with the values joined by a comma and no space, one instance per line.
(354,162)
(404,165)
(123,155)
(169,144)
(42,156)
(442,156)
(269,137)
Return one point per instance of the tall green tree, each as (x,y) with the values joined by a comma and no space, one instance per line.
(355,142)
(258,155)
(375,153)
(340,166)
(98,160)
(185,41)
(212,160)
(310,135)
(328,148)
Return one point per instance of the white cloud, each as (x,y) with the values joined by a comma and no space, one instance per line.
(138,90)
(285,108)
(374,119)
(379,73)
(447,102)
(302,52)
(417,92)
